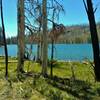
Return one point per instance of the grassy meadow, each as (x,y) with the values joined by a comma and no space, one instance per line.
(71,81)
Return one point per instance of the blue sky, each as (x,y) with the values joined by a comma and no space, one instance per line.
(75,14)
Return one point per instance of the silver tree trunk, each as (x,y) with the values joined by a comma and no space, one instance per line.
(21,31)
(45,44)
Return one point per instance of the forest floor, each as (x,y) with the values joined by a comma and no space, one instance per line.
(71,81)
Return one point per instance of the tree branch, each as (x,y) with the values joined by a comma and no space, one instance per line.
(85,6)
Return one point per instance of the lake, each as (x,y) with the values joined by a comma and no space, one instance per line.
(67,52)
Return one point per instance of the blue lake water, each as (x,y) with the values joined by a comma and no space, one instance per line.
(72,52)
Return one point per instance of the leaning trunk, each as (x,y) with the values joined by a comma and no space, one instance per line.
(44,51)
(5,44)
(21,29)
(94,37)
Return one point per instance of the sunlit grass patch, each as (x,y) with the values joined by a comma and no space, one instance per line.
(72,81)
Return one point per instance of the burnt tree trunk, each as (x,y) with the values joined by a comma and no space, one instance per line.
(94,37)
(52,42)
(39,45)
(52,56)
(5,44)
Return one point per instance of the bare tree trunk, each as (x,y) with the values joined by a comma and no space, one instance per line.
(52,43)
(21,31)
(38,53)
(5,44)
(94,37)
(45,44)
(52,56)
(39,45)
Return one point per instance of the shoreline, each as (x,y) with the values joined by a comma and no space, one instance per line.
(63,61)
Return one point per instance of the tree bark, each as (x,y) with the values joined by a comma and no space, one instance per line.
(45,45)
(5,44)
(39,45)
(94,37)
(52,56)
(52,43)
(21,31)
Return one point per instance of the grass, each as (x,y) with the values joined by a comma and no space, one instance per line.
(71,81)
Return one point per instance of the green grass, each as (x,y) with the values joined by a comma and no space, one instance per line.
(72,81)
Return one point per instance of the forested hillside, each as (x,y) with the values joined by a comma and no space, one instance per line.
(73,34)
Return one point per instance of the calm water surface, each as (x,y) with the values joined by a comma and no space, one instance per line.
(73,52)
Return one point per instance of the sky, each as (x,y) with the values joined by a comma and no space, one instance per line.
(74,14)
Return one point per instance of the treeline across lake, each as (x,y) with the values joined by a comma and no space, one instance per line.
(72,34)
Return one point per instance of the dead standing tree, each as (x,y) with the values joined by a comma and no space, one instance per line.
(21,30)
(95,42)
(4,37)
(34,13)
(57,29)
(45,44)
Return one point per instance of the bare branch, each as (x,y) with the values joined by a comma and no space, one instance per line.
(95,9)
(85,6)
(97,6)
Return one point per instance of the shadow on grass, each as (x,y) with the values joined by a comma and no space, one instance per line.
(77,88)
